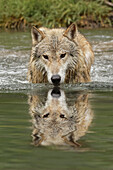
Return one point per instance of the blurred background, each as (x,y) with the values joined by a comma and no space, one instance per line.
(22,14)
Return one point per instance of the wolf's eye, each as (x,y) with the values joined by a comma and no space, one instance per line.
(46,57)
(46,115)
(62,116)
(62,55)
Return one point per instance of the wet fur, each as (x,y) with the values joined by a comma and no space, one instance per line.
(79,55)
(48,125)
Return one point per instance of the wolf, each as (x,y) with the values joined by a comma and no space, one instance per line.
(56,122)
(59,56)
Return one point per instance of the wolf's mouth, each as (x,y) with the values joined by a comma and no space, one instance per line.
(56,92)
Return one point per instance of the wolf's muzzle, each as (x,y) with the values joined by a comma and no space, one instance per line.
(56,79)
(56,92)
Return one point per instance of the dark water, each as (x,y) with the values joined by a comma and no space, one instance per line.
(95,133)
(45,129)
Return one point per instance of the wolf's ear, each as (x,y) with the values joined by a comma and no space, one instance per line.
(71,31)
(37,35)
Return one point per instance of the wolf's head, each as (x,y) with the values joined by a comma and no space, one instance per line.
(54,51)
(56,120)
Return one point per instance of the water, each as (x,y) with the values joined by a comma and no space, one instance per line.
(48,129)
(15,51)
(94,132)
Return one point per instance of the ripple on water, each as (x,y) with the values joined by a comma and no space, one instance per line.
(14,61)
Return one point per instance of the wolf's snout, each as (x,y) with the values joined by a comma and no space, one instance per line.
(56,92)
(56,79)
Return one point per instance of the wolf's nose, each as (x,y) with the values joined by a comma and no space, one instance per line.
(56,79)
(56,92)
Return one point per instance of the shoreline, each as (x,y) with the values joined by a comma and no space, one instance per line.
(22,24)
(24,14)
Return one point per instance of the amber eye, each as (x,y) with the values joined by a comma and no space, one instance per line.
(46,57)
(46,115)
(62,55)
(62,116)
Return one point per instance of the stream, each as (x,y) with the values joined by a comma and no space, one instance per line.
(47,128)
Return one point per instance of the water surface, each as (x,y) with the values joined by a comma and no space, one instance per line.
(44,129)
(15,52)
(17,149)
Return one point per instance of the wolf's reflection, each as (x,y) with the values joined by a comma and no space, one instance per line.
(57,121)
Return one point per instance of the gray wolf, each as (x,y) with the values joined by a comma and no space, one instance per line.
(59,56)
(57,122)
